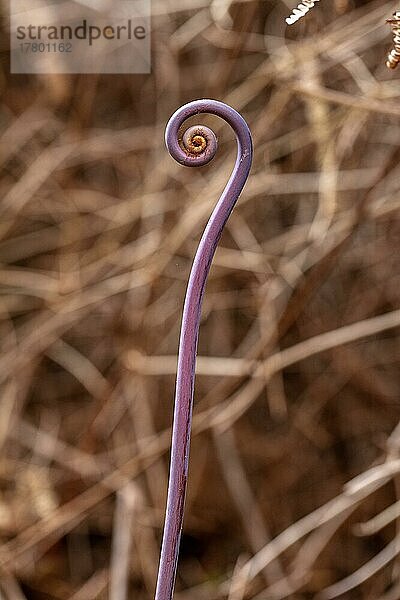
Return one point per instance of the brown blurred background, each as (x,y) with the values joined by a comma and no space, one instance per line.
(298,382)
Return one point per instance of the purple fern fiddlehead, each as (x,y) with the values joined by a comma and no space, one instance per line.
(196,148)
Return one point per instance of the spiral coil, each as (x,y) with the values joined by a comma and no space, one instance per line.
(393,58)
(301,10)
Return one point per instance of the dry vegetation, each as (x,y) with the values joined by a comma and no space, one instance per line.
(295,468)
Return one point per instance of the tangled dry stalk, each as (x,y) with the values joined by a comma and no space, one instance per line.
(294,486)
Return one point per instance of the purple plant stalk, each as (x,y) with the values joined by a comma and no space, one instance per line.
(196,147)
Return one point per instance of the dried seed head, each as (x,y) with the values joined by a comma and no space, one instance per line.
(301,10)
(395,18)
(393,58)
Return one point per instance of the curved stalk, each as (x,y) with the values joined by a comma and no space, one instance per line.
(197,147)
